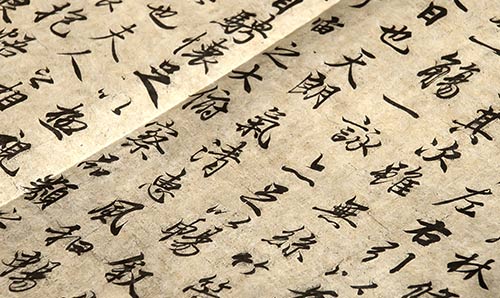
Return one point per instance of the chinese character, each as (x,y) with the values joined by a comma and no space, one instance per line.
(246,258)
(469,209)
(8,216)
(476,126)
(10,147)
(77,245)
(207,104)
(188,41)
(402,183)
(70,17)
(246,25)
(207,287)
(244,75)
(261,126)
(48,190)
(10,46)
(24,270)
(314,292)
(313,86)
(161,12)
(11,97)
(324,26)
(342,211)
(222,158)
(115,211)
(354,138)
(424,236)
(396,35)
(120,35)
(475,40)
(294,244)
(128,272)
(97,169)
(315,166)
(151,138)
(470,268)
(426,288)
(448,87)
(361,288)
(449,152)
(279,51)
(350,62)
(267,195)
(65,121)
(284,5)
(164,184)
(185,241)
(76,67)
(109,3)
(374,251)
(12,5)
(207,54)
(435,12)
(43,76)
(160,75)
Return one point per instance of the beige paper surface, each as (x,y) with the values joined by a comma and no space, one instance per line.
(105,84)
(359,157)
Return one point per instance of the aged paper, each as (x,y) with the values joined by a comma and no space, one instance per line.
(356,156)
(94,55)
